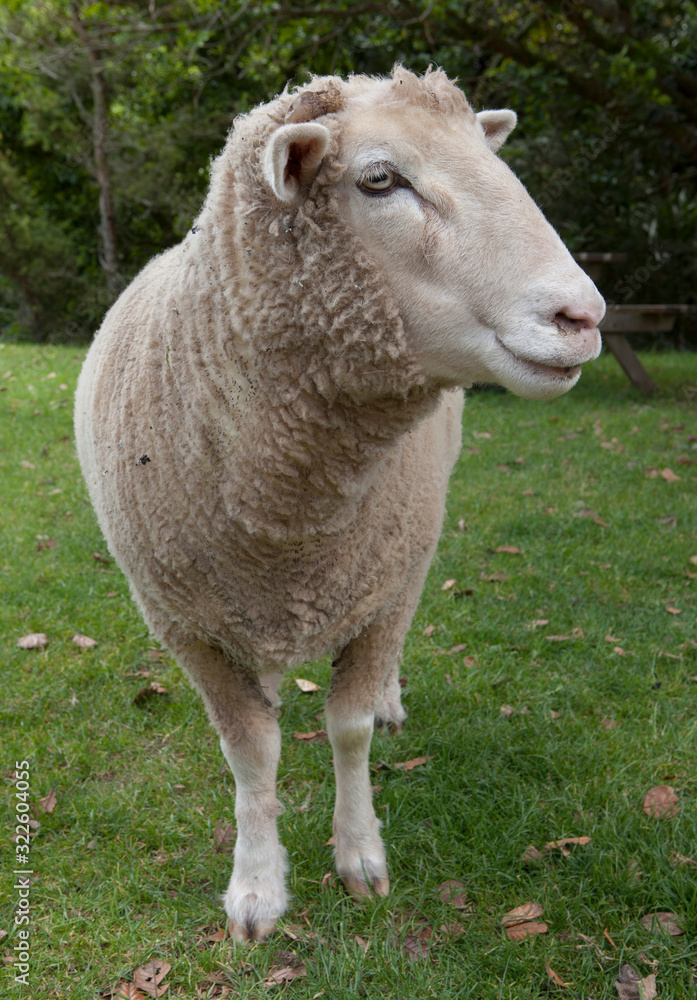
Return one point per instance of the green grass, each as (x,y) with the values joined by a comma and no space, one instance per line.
(125,866)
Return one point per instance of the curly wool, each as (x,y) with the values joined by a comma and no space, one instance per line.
(262,368)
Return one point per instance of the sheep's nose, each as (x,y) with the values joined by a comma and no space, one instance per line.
(576,321)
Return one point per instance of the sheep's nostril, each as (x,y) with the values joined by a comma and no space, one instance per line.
(574,324)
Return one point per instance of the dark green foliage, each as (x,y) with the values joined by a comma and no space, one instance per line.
(606,92)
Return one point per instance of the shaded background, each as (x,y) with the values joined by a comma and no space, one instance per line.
(110,112)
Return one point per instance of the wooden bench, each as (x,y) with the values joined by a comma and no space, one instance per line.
(627,319)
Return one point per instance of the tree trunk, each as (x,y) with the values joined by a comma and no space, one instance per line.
(100,128)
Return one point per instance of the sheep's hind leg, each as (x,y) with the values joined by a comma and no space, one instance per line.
(357,693)
(390,714)
(250,739)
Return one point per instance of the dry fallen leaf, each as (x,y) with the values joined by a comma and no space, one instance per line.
(511,550)
(507,711)
(612,638)
(45,543)
(609,723)
(126,991)
(149,977)
(48,803)
(429,630)
(661,801)
(223,836)
(538,622)
(561,845)
(100,558)
(149,692)
(668,922)
(554,977)
(319,736)
(415,947)
(457,649)
(409,765)
(469,661)
(288,967)
(669,476)
(35,640)
(307,686)
(676,859)
(522,922)
(630,985)
(448,585)
(693,560)
(531,853)
(673,611)
(84,641)
(453,892)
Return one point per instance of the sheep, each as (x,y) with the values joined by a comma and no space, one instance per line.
(269,414)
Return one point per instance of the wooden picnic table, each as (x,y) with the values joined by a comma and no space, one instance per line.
(627,319)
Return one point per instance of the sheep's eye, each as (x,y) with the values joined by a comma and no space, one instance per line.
(378,180)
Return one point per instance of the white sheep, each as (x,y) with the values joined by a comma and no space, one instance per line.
(268,417)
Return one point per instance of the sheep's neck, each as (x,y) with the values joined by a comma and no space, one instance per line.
(316,463)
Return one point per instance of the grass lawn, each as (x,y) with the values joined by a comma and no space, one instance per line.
(570,693)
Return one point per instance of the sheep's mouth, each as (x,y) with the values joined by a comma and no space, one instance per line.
(565,373)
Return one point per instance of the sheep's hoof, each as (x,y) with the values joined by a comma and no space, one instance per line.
(388,726)
(247,933)
(359,889)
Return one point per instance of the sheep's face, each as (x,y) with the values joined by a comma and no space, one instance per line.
(488,292)
(486,288)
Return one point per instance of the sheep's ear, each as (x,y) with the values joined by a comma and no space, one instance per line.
(497,126)
(293,155)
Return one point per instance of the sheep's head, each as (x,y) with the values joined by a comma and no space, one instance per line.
(485,287)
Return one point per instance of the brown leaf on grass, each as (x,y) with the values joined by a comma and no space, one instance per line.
(453,892)
(521,922)
(667,922)
(286,968)
(651,473)
(409,765)
(668,519)
(531,853)
(693,560)
(98,557)
(676,859)
(48,803)
(609,723)
(429,630)
(669,476)
(511,550)
(35,640)
(45,543)
(307,687)
(125,991)
(146,693)
(415,947)
(603,524)
(673,611)
(319,736)
(611,638)
(521,931)
(630,985)
(538,622)
(83,641)
(561,845)
(469,661)
(507,711)
(661,801)
(223,837)
(149,977)
(554,977)
(494,577)
(448,585)
(362,944)
(457,648)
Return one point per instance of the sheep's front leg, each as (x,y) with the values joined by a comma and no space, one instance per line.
(250,738)
(362,674)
